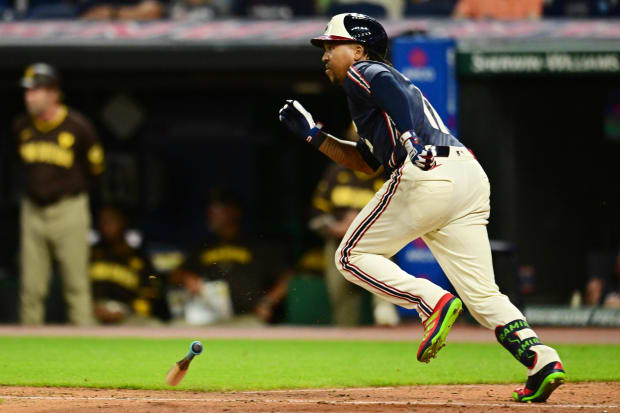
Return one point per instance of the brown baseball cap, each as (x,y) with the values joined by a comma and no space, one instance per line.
(40,75)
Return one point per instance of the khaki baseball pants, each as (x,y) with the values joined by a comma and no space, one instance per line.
(345,298)
(59,231)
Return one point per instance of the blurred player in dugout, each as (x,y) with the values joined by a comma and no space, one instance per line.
(233,279)
(125,287)
(339,196)
(60,156)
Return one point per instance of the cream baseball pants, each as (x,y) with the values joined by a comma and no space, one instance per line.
(448,207)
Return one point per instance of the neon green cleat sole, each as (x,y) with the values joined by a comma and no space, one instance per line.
(553,379)
(436,339)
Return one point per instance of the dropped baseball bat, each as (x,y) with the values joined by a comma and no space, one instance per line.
(179,369)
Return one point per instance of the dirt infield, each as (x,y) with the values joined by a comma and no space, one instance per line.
(577,397)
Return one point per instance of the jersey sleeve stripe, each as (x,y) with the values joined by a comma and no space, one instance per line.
(361,78)
(350,76)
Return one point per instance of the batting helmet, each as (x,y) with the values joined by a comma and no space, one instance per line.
(356,28)
(40,75)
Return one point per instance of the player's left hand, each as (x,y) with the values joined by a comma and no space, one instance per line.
(299,120)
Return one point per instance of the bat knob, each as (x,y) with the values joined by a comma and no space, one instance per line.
(196,348)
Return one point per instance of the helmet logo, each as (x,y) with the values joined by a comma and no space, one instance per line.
(360,31)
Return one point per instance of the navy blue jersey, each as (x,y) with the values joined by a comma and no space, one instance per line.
(383,105)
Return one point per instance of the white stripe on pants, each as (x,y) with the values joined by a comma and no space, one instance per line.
(448,207)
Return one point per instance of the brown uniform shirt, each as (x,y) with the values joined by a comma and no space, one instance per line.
(122,274)
(60,157)
(341,189)
(250,268)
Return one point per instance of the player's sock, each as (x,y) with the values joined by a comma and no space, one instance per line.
(523,343)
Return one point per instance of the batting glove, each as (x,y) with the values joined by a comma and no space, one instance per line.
(300,122)
(423,158)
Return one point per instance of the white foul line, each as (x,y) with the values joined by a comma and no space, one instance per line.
(331,402)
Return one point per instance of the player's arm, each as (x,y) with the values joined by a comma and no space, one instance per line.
(396,101)
(345,153)
(320,213)
(300,122)
(266,305)
(93,155)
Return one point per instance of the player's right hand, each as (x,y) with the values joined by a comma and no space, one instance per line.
(422,157)
(425,157)
(299,121)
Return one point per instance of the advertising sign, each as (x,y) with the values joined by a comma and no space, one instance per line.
(430,65)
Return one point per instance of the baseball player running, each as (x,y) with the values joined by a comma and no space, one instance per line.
(437,190)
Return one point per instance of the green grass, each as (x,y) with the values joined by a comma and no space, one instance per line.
(271,364)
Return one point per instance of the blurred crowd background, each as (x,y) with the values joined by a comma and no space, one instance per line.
(208,9)
(205,211)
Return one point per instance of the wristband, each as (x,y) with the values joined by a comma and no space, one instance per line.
(409,135)
(316,135)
